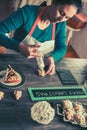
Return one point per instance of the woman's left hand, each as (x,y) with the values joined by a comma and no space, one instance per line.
(50,65)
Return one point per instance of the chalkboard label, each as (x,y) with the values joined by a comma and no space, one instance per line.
(55,93)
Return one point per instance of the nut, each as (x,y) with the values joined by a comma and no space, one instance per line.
(17,94)
(1,95)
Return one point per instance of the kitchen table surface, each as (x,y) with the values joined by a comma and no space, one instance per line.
(16,114)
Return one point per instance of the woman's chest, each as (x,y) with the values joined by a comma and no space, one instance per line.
(38,34)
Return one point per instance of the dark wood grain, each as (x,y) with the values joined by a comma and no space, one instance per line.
(15,115)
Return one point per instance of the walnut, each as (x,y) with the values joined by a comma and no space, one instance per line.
(69,113)
(67,104)
(86,116)
(78,107)
(1,95)
(17,94)
(80,119)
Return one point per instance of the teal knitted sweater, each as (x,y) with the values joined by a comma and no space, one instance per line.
(22,20)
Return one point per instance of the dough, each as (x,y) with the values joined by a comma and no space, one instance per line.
(42,112)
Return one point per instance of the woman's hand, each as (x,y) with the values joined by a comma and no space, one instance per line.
(50,65)
(29,51)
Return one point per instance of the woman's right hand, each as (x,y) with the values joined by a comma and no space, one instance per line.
(29,51)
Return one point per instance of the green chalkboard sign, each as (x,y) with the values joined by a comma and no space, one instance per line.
(55,93)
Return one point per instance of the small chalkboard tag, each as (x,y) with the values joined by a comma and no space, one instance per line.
(55,93)
(66,77)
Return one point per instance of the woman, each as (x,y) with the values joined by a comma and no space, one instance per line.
(43,24)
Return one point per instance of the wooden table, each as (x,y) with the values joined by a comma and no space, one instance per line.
(15,115)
